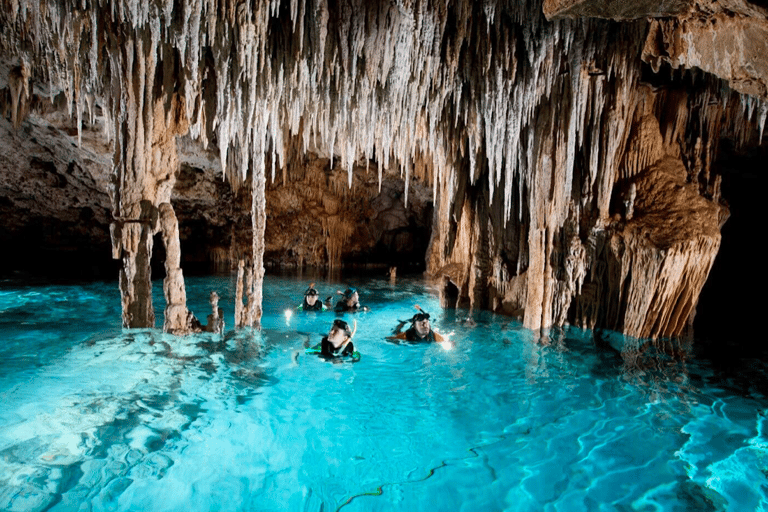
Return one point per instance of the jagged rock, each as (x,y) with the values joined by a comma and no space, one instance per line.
(615,9)
(731,47)
(649,271)
(728,38)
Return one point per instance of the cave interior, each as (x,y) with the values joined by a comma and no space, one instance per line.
(586,163)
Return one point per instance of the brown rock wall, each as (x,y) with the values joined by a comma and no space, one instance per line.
(635,262)
(730,46)
(316,219)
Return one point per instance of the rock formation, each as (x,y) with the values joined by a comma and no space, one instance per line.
(567,145)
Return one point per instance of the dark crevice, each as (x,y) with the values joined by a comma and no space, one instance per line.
(729,303)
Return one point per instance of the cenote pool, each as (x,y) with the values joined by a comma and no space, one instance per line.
(96,418)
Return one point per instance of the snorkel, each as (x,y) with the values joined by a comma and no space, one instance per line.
(421,313)
(355,354)
(350,335)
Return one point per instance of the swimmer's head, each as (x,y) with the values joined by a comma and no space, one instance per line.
(420,322)
(310,295)
(351,295)
(339,331)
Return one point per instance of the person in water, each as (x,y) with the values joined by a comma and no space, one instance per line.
(350,302)
(311,300)
(337,344)
(420,330)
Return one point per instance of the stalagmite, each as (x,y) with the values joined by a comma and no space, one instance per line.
(18,83)
(177,319)
(240,321)
(215,323)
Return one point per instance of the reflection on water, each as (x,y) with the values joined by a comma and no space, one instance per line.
(97,418)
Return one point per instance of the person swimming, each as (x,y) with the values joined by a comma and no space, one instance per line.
(420,330)
(337,344)
(349,302)
(311,300)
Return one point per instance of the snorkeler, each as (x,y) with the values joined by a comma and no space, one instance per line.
(350,302)
(311,301)
(420,330)
(338,343)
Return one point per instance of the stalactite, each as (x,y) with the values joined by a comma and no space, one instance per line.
(337,230)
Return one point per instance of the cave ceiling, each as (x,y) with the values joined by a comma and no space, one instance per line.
(513,129)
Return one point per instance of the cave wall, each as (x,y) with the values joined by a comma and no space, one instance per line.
(630,253)
(567,145)
(611,217)
(315,218)
(54,204)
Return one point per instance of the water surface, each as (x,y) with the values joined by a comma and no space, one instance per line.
(94,417)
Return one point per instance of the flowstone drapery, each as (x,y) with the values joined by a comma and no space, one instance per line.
(550,138)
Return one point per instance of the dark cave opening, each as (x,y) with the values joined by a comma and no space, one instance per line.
(404,248)
(729,305)
(449,297)
(157,263)
(56,250)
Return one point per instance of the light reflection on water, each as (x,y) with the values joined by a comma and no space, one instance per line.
(96,418)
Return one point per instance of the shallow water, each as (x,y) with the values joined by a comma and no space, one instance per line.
(97,418)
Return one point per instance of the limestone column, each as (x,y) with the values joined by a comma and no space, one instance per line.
(135,240)
(176,314)
(259,220)
(146,163)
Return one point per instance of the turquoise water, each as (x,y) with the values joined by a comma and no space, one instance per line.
(97,418)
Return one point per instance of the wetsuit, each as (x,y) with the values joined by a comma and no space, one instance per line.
(327,349)
(413,336)
(317,306)
(342,306)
